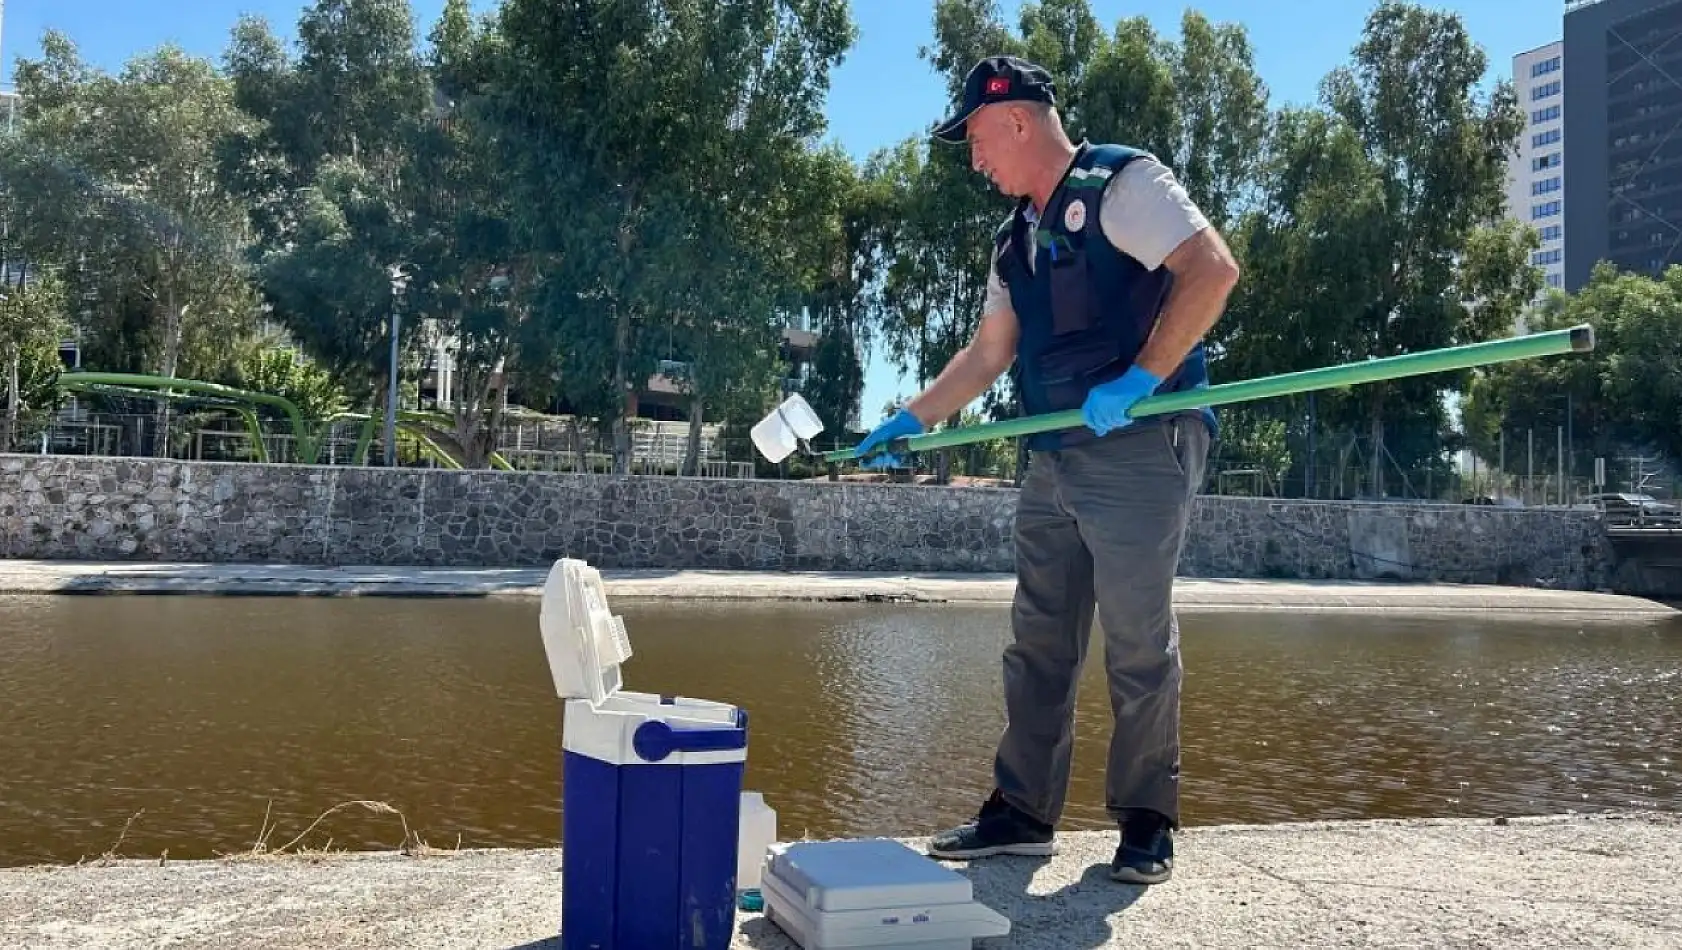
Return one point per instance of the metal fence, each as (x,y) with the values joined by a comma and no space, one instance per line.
(555,445)
(1521,467)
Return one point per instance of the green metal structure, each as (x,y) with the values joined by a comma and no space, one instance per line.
(308,437)
(1577,339)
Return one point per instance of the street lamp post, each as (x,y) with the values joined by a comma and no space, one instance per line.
(399,282)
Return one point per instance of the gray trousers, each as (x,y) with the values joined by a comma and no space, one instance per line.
(1100,524)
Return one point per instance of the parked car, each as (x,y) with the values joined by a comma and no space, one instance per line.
(1632,508)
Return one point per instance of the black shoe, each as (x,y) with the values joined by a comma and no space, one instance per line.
(997,829)
(1146,854)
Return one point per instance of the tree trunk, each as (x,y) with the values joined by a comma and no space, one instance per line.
(477,418)
(1377,459)
(173,315)
(1343,453)
(692,452)
(943,471)
(469,430)
(490,427)
(621,400)
(621,391)
(14,396)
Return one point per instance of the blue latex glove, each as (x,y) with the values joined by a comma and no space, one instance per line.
(903,424)
(1106,405)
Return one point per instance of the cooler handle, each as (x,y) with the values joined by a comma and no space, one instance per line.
(654,740)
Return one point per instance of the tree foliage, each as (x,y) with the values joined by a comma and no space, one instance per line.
(1623,399)
(1379,233)
(323,170)
(589,200)
(649,152)
(110,182)
(32,322)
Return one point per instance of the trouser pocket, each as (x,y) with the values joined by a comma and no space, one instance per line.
(1173,437)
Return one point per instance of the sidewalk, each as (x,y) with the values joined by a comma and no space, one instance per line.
(1605,881)
(1192,595)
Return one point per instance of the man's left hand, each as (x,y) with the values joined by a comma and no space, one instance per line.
(1107,405)
(901,425)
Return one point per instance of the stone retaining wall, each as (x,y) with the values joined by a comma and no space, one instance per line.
(64,507)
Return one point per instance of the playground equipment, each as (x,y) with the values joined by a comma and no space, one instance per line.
(307,435)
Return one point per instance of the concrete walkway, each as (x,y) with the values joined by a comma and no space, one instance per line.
(1603,881)
(1191,594)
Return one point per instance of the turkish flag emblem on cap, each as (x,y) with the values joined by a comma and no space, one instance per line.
(998,86)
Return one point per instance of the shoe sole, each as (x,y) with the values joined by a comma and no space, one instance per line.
(1030,850)
(1130,876)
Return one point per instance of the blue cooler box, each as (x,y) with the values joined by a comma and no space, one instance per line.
(651,806)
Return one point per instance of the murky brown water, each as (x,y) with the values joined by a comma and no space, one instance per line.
(199,714)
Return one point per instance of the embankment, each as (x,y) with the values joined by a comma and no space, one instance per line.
(1191,595)
(131,509)
(1568,881)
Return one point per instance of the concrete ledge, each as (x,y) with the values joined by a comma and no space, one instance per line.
(1192,595)
(1569,881)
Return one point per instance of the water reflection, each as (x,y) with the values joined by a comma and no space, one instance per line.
(203,714)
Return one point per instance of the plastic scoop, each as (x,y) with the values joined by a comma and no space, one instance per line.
(786,429)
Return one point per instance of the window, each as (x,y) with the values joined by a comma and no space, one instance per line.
(1545,186)
(1544,258)
(1545,90)
(1556,280)
(1550,160)
(1552,232)
(1544,67)
(1545,115)
(1544,138)
(1546,209)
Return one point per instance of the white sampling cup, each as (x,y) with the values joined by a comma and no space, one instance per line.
(779,434)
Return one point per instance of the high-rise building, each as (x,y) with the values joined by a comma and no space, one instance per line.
(1623,136)
(1536,173)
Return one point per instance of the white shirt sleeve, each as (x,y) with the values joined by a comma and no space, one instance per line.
(1146,212)
(998,298)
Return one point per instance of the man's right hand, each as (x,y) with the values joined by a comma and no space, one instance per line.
(901,425)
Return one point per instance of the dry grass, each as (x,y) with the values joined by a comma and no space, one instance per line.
(413,845)
(111,855)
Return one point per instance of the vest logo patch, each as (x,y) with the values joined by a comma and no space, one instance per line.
(1074,216)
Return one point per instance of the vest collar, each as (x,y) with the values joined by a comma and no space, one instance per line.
(1028,212)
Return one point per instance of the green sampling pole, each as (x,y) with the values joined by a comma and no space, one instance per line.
(1577,339)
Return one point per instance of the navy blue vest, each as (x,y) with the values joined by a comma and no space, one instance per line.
(1084,307)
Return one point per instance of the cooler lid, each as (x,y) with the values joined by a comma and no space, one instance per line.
(584,641)
(864,874)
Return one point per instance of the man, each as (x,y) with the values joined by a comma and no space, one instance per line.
(1104,281)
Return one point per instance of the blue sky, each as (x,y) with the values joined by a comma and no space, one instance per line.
(880,95)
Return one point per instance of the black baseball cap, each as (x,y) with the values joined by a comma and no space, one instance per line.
(998,79)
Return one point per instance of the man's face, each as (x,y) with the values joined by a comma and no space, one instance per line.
(997,134)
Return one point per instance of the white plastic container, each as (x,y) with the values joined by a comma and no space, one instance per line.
(873,893)
(778,434)
(583,640)
(759,833)
(652,789)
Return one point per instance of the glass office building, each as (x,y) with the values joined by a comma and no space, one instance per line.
(1622,136)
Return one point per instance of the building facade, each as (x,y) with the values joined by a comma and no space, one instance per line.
(1623,136)
(1536,172)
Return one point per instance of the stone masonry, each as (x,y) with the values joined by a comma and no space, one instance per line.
(80,508)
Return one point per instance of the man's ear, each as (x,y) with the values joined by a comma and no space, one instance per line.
(1022,122)
(1027,117)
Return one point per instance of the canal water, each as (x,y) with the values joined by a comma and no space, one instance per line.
(189,725)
